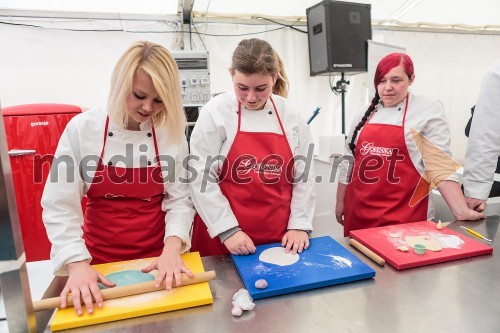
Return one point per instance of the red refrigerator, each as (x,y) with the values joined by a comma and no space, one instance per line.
(33,131)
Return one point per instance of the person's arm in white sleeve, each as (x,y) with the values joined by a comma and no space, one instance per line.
(212,206)
(303,193)
(177,201)
(440,166)
(437,158)
(483,147)
(303,201)
(61,203)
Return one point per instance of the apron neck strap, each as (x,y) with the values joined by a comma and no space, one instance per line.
(106,137)
(275,111)
(406,109)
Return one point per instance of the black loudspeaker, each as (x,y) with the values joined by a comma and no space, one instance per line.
(337,33)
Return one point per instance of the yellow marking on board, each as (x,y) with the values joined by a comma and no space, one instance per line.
(138,305)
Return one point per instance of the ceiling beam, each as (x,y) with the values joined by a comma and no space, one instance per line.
(200,18)
(23,13)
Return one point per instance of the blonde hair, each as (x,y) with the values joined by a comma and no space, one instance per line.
(157,62)
(281,85)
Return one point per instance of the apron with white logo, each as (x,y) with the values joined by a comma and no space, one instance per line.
(384,180)
(257,179)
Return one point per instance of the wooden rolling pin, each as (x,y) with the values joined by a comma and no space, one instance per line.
(367,252)
(134,289)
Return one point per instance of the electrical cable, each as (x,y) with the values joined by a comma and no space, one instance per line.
(142,31)
(332,87)
(206,23)
(291,26)
(201,39)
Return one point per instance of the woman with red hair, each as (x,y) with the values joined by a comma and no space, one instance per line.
(400,145)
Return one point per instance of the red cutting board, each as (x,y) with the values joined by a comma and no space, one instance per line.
(455,245)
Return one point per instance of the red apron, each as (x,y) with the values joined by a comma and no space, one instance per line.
(383,180)
(123,216)
(256,178)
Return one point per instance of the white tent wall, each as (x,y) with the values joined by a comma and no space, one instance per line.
(306,92)
(57,66)
(48,65)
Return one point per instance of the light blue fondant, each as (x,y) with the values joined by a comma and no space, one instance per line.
(128,277)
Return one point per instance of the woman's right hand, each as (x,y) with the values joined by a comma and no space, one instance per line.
(340,203)
(339,212)
(82,284)
(240,243)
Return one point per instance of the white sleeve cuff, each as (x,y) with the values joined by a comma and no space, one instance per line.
(223,225)
(180,232)
(300,225)
(65,256)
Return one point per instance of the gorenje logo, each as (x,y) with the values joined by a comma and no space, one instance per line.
(40,123)
(342,65)
(370,148)
(246,165)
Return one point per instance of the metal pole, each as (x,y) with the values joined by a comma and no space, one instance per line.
(341,86)
(13,274)
(343,104)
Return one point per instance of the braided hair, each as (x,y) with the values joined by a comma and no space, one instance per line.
(384,66)
(362,123)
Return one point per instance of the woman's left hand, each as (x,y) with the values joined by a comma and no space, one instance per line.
(295,241)
(169,264)
(469,215)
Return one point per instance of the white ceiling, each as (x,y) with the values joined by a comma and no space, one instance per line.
(449,12)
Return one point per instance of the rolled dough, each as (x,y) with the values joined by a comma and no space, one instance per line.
(128,277)
(278,256)
(430,243)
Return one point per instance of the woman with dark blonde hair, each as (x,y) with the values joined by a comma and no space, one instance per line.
(281,86)
(117,155)
(390,143)
(248,196)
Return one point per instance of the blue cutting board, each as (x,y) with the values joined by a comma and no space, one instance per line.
(324,263)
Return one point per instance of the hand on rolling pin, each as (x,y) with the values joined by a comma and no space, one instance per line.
(239,244)
(82,282)
(169,264)
(295,241)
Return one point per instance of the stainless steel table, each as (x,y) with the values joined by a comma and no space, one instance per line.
(456,296)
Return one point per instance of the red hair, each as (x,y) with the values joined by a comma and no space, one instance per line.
(384,66)
(389,62)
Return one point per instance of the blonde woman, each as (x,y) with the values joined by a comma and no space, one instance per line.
(115,157)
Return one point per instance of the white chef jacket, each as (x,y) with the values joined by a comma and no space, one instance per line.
(214,134)
(483,147)
(427,116)
(82,142)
